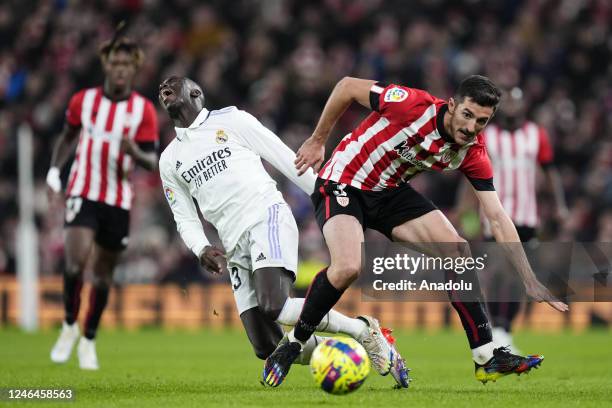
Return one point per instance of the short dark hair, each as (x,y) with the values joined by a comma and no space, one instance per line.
(122,44)
(480,89)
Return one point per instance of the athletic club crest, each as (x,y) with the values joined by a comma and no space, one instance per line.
(341,196)
(448,156)
(343,201)
(221,136)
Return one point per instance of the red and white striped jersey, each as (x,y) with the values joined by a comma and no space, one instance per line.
(403,136)
(100,170)
(516,155)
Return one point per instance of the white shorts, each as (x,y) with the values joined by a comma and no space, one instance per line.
(272,242)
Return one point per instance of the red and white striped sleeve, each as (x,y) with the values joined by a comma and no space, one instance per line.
(148,130)
(392,101)
(476,166)
(545,151)
(75,106)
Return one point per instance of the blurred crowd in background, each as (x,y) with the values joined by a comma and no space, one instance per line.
(279,60)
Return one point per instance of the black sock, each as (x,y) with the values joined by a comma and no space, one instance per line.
(472,313)
(72,296)
(475,322)
(98,297)
(320,299)
(503,313)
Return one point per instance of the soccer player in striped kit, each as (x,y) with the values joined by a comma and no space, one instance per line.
(517,148)
(116,128)
(365,185)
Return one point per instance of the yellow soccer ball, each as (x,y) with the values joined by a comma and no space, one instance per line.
(339,365)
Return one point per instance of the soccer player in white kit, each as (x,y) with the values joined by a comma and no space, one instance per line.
(216,160)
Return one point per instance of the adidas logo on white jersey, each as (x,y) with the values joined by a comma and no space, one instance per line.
(261,257)
(178,164)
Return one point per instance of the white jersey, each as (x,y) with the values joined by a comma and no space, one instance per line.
(217,162)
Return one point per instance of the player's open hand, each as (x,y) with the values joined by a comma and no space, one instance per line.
(211,258)
(310,154)
(539,293)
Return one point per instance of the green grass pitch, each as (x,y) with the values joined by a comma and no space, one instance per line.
(153,368)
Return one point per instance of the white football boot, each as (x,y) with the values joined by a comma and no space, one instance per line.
(60,353)
(380,346)
(88,360)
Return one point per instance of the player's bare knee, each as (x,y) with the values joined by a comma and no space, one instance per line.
(102,280)
(455,247)
(344,274)
(74,268)
(271,305)
(461,248)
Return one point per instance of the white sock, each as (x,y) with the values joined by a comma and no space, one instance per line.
(483,353)
(308,348)
(333,322)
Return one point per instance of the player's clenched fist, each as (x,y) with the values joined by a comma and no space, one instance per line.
(311,154)
(211,259)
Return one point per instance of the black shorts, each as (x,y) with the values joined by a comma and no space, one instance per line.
(111,224)
(378,210)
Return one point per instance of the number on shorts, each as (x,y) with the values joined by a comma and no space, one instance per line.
(236,282)
(73,206)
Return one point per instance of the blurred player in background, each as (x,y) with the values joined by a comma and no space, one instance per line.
(517,148)
(365,185)
(215,160)
(116,127)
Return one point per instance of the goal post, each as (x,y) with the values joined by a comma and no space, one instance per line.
(27,237)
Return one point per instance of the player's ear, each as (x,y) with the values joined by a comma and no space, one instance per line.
(451,105)
(195,93)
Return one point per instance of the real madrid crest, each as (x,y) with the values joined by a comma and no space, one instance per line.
(221,136)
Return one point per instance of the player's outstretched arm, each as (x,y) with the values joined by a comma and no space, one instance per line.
(505,234)
(553,179)
(146,159)
(265,143)
(63,148)
(185,214)
(347,90)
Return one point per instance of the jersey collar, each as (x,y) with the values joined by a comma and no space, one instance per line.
(181,133)
(201,118)
(440,124)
